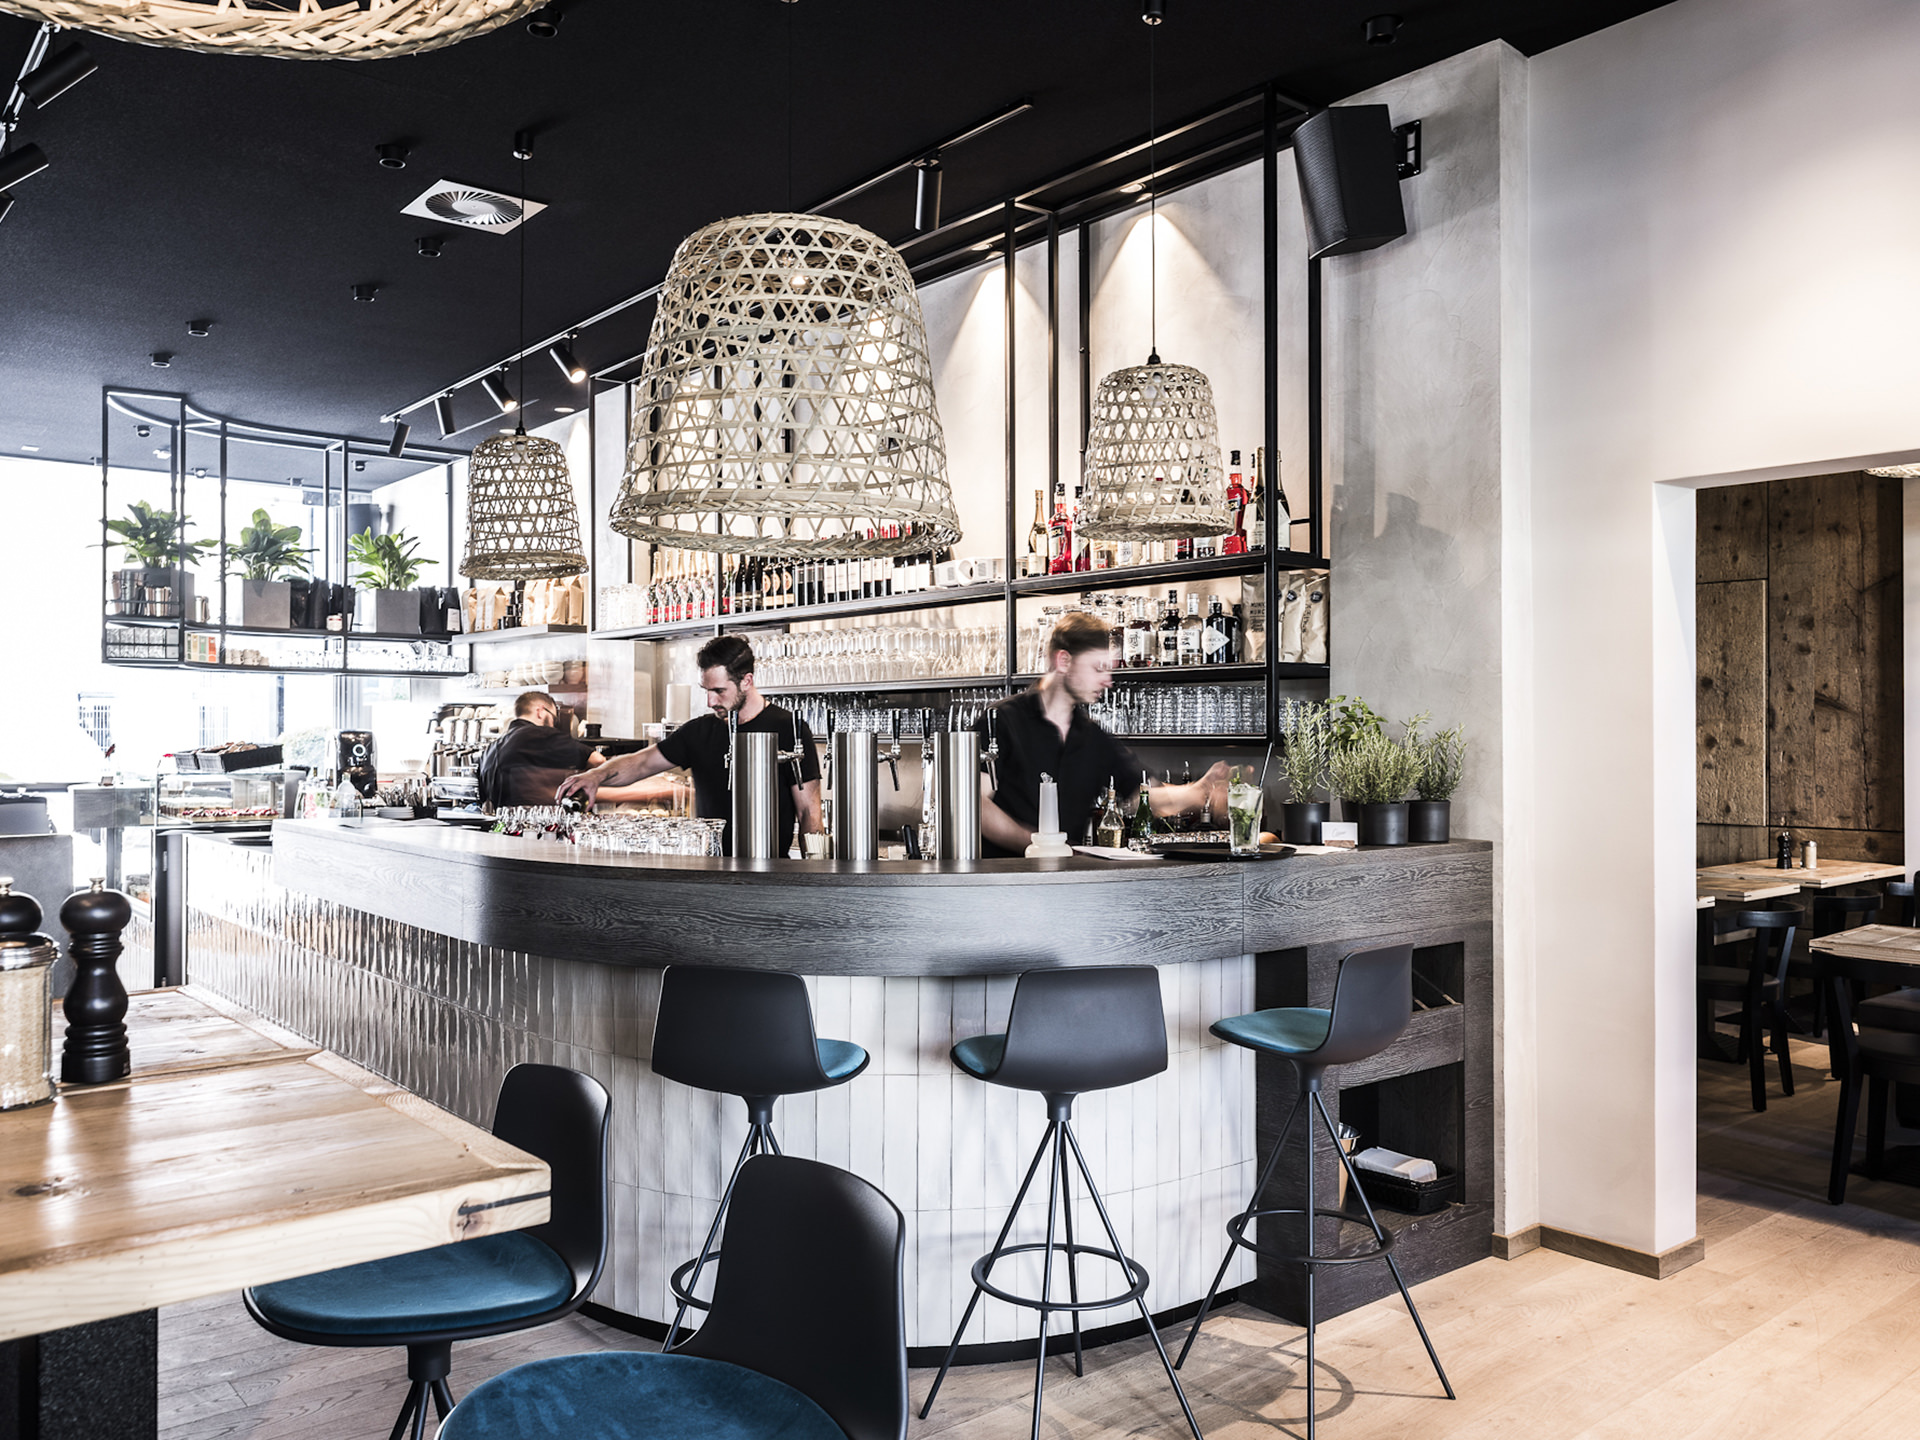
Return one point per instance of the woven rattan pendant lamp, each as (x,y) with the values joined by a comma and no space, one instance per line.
(307,30)
(522,523)
(1153,440)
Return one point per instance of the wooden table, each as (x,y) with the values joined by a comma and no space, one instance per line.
(1763,880)
(1894,950)
(234,1155)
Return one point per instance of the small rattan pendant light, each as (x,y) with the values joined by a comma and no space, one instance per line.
(522,522)
(309,30)
(1153,440)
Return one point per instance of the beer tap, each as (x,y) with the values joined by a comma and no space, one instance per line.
(892,753)
(926,766)
(992,753)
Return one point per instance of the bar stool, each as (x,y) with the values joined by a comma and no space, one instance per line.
(747,1033)
(1069,1031)
(1372,1005)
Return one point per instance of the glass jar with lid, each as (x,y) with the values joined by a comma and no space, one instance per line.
(26,1019)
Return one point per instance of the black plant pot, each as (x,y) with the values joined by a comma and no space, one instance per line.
(1383,824)
(1300,823)
(1429,821)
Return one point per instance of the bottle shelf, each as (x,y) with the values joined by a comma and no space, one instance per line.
(517,632)
(1181,674)
(1169,573)
(917,685)
(765,619)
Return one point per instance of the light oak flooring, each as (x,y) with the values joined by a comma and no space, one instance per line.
(1802,1321)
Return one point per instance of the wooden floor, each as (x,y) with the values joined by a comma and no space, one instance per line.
(1802,1321)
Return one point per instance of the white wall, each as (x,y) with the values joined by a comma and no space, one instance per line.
(1724,285)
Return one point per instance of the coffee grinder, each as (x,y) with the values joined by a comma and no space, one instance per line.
(355,763)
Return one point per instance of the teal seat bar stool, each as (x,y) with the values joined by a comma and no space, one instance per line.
(805,1339)
(490,1285)
(747,1033)
(1069,1031)
(1372,1006)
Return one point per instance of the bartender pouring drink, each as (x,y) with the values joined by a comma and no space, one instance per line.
(726,673)
(1046,730)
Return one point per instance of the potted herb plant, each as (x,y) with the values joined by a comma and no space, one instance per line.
(158,580)
(267,557)
(1375,773)
(1349,719)
(387,565)
(1442,755)
(1305,737)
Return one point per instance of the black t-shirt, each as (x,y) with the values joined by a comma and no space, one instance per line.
(526,765)
(701,746)
(1082,764)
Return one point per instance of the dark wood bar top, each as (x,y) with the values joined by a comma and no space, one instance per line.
(899,917)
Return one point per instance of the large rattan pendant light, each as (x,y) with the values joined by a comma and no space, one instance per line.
(1153,440)
(522,522)
(786,405)
(309,30)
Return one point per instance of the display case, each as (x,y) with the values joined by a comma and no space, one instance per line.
(192,800)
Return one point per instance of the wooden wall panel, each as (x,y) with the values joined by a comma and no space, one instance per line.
(1730,526)
(1883,646)
(1730,705)
(1792,581)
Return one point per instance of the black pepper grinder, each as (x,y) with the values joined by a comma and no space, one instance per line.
(19,914)
(96,1003)
(1783,848)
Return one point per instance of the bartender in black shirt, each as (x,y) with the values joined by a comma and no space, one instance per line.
(535,753)
(1046,730)
(726,673)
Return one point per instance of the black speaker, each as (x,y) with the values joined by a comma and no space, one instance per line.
(1349,179)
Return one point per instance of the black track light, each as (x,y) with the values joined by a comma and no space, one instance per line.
(393,155)
(545,22)
(57,74)
(443,412)
(503,397)
(161,359)
(1382,29)
(366,292)
(523,144)
(199,329)
(429,246)
(1152,12)
(562,353)
(18,165)
(397,446)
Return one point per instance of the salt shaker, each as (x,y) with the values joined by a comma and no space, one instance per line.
(26,1002)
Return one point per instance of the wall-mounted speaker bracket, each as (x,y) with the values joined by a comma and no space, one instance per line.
(1407,138)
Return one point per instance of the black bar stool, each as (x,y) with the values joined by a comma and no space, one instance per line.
(1372,1005)
(1759,987)
(1069,1031)
(747,1033)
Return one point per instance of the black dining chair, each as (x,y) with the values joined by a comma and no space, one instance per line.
(747,1033)
(1828,913)
(1758,988)
(490,1285)
(1862,1058)
(805,1338)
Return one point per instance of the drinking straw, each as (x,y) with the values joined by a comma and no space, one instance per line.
(1263,767)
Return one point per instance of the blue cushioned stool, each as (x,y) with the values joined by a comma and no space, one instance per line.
(489,1285)
(1372,1005)
(805,1338)
(1069,1031)
(747,1033)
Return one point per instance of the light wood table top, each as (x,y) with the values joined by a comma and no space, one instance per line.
(230,1159)
(1897,947)
(1763,880)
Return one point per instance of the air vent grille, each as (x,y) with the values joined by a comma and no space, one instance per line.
(473,207)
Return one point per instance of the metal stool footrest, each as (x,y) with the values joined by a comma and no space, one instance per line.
(1383,1239)
(1136,1272)
(682,1281)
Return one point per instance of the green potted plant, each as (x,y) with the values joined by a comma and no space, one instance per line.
(157,580)
(1442,762)
(267,557)
(1306,736)
(1349,719)
(387,565)
(1375,773)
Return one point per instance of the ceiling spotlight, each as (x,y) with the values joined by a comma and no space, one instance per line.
(503,397)
(199,472)
(359,465)
(443,412)
(563,409)
(143,431)
(393,155)
(366,292)
(1382,29)
(1152,12)
(429,246)
(1133,187)
(523,144)
(562,353)
(199,329)
(545,22)
(57,74)
(397,446)
(31,449)
(17,165)
(160,359)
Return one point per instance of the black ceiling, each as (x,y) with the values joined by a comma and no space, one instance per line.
(246,191)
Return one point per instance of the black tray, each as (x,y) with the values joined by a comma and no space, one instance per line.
(1216,850)
(1413,1197)
(208,762)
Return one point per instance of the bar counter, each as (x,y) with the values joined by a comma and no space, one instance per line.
(439,957)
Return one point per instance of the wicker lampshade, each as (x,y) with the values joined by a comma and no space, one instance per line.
(786,406)
(1153,458)
(521,520)
(1896,472)
(308,30)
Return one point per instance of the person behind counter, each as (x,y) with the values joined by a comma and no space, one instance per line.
(536,752)
(726,673)
(1046,730)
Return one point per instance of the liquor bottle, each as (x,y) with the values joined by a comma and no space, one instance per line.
(1191,641)
(1216,639)
(1235,543)
(1060,541)
(1167,651)
(1185,823)
(1139,645)
(1142,835)
(1082,549)
(1037,532)
(1269,491)
(1183,549)
(1111,829)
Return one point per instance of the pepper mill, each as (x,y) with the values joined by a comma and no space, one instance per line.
(96,1003)
(19,914)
